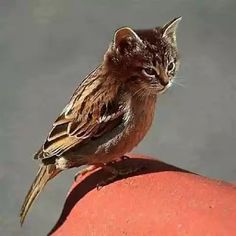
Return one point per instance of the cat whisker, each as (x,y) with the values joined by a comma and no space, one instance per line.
(178,83)
(180,78)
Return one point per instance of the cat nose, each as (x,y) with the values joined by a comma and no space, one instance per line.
(163,77)
(163,82)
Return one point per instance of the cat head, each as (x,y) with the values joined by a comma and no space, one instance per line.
(145,57)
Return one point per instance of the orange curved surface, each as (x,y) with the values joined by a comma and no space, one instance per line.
(159,200)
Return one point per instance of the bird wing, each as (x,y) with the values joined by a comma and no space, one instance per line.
(92,111)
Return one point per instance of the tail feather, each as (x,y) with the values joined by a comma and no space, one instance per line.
(45,173)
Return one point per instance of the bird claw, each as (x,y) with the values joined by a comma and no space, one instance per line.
(100,185)
(125,157)
(76,176)
(121,158)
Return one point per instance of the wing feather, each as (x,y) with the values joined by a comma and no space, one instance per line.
(93,110)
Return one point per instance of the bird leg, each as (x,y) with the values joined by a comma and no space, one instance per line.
(89,168)
(85,170)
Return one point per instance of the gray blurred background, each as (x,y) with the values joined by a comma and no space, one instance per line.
(48,46)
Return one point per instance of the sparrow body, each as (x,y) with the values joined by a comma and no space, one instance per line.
(113,108)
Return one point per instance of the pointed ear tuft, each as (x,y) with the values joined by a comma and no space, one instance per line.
(124,36)
(169,30)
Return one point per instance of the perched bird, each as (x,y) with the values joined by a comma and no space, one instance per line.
(113,108)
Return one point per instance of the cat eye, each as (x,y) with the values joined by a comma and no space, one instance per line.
(149,71)
(171,66)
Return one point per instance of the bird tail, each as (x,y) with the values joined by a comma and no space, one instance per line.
(45,173)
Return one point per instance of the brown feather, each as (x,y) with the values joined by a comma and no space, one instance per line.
(81,119)
(45,173)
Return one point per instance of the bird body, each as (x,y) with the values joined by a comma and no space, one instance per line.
(113,108)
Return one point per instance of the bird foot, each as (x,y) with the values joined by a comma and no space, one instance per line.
(117,174)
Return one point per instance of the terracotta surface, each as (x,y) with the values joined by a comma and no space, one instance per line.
(158,200)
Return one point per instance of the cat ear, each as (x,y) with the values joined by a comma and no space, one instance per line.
(124,37)
(169,30)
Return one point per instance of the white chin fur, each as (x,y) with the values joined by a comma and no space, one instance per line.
(169,84)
